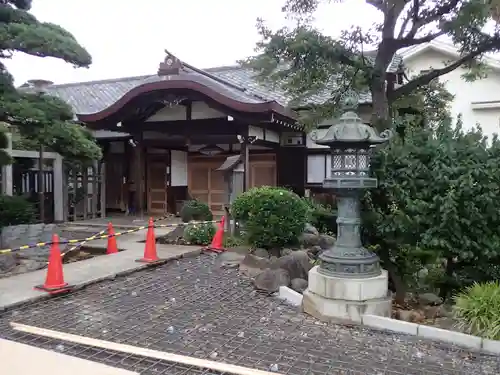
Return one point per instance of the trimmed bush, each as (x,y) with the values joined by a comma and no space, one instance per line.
(476,308)
(199,234)
(195,210)
(15,210)
(273,217)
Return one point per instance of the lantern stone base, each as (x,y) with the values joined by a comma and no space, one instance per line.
(335,298)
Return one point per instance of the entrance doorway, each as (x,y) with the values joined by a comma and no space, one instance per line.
(158,181)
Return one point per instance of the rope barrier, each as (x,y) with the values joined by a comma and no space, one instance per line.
(100,236)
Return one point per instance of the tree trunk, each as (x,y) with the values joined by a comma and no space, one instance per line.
(397,280)
(380,118)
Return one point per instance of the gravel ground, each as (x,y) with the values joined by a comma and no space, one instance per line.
(194,308)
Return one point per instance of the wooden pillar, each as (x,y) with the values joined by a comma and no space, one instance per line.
(103,188)
(245,156)
(7,183)
(139,173)
(60,190)
(95,188)
(41,185)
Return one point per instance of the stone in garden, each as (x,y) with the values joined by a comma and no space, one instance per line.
(229,259)
(315,251)
(7,262)
(311,229)
(410,316)
(284,252)
(297,264)
(299,285)
(425,299)
(308,239)
(241,249)
(270,280)
(326,241)
(433,312)
(262,253)
(253,265)
(29,265)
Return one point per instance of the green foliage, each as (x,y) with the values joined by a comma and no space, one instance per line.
(273,217)
(5,158)
(322,217)
(233,241)
(437,200)
(199,234)
(195,210)
(15,211)
(315,70)
(477,307)
(42,119)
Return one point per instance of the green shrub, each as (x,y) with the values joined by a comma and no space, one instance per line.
(272,217)
(477,307)
(195,210)
(233,241)
(199,234)
(322,216)
(15,210)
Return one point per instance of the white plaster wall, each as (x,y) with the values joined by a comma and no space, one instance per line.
(481,90)
(199,110)
(179,168)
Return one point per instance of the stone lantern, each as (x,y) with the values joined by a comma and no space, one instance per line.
(349,281)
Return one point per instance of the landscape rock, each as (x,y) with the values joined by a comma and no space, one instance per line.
(308,239)
(311,229)
(299,285)
(252,265)
(315,251)
(296,264)
(325,241)
(270,280)
(229,259)
(285,252)
(29,265)
(19,235)
(7,262)
(262,253)
(410,316)
(426,299)
(433,312)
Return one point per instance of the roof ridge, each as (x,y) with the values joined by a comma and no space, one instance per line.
(223,81)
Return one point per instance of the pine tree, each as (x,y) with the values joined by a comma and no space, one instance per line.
(40,118)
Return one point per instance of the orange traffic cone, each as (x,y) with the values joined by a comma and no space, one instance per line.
(112,248)
(150,255)
(54,282)
(216,245)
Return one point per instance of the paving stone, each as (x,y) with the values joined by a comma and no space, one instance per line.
(194,307)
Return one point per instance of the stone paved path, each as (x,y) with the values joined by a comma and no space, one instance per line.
(18,289)
(195,308)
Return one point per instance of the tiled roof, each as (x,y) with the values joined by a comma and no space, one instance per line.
(234,81)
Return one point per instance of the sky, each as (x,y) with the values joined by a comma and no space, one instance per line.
(128,38)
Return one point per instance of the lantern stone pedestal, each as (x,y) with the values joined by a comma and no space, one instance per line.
(338,298)
(348,281)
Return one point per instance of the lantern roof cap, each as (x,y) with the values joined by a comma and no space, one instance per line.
(349,128)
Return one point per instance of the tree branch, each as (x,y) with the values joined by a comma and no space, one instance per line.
(435,73)
(410,41)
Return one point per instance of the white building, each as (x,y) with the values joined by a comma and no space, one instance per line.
(477,101)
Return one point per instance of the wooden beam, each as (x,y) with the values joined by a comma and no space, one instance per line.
(216,126)
(135,350)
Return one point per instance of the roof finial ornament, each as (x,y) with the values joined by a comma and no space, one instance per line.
(171,65)
(349,100)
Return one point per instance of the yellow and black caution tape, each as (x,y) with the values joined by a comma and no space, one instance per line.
(100,236)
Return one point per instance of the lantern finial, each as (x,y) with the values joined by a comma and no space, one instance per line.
(350,100)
